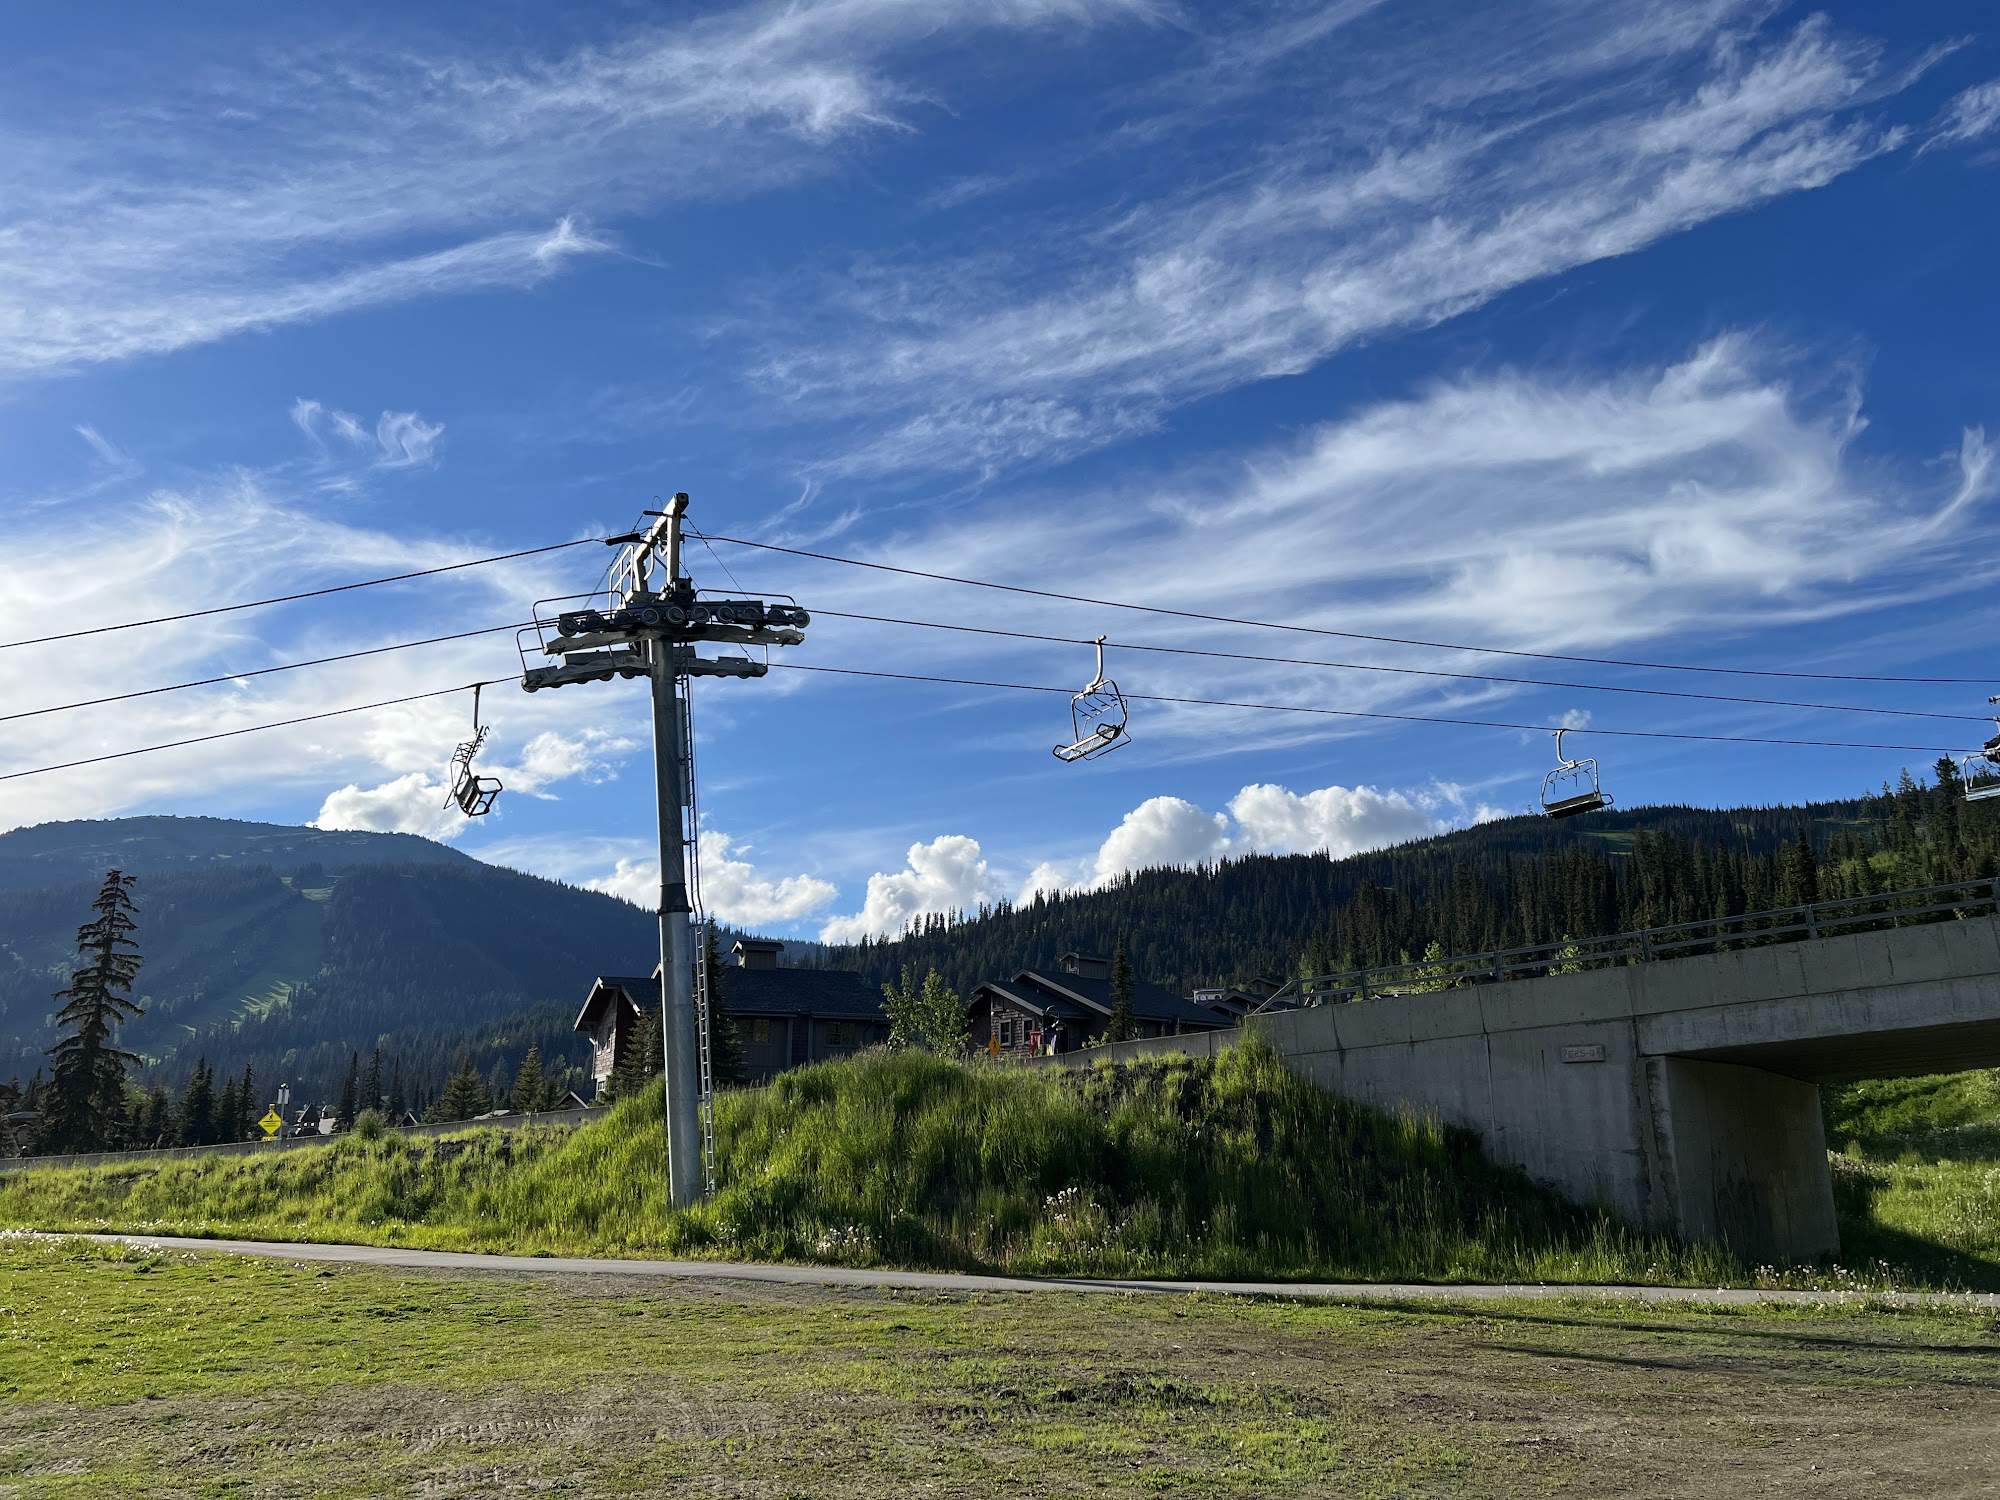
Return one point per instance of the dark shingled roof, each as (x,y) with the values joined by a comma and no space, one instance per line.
(1074,997)
(836,994)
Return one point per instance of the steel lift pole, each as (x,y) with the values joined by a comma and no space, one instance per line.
(678,1027)
(651,632)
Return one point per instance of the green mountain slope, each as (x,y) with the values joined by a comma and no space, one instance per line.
(61,853)
(290,949)
(1511,882)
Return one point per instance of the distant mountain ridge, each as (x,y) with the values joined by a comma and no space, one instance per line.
(292,948)
(45,854)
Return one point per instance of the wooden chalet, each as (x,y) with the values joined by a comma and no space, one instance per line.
(784,1018)
(1071,1005)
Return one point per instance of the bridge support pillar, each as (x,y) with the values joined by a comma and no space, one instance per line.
(1739,1157)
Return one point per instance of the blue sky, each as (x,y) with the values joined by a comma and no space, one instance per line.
(1658,331)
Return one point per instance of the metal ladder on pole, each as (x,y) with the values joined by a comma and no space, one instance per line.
(701,931)
(698,932)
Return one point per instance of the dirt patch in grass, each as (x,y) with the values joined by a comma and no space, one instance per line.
(124,1373)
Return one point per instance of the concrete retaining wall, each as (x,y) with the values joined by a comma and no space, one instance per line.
(1681,1094)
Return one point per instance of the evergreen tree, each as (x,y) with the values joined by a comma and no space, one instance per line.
(155,1125)
(725,1048)
(642,1059)
(251,1111)
(464,1096)
(83,1105)
(350,1091)
(1123,1023)
(497,1085)
(532,1092)
(228,1112)
(1799,882)
(197,1111)
(399,1104)
(371,1081)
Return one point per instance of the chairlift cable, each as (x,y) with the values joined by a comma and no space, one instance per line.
(290,666)
(1355,666)
(337,588)
(1355,713)
(1020,687)
(224,734)
(1350,635)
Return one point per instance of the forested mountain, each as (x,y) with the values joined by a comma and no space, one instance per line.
(297,968)
(290,950)
(61,853)
(1506,883)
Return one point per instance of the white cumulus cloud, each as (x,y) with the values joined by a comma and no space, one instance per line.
(1162,831)
(1334,820)
(732,889)
(737,892)
(947,874)
(409,804)
(1171,832)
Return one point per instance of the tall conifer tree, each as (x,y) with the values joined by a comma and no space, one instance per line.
(1123,1024)
(83,1105)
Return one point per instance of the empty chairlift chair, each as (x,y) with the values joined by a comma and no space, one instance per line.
(1571,788)
(472,794)
(1981,771)
(1097,717)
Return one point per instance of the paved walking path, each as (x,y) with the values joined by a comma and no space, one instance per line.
(945,1281)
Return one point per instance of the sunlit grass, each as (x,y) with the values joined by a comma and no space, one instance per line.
(1232,1168)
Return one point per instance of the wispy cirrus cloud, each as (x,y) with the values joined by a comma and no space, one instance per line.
(1408,195)
(1971,116)
(233,536)
(304,186)
(1712,498)
(398,440)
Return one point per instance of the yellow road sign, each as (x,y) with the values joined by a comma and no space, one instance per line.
(271,1121)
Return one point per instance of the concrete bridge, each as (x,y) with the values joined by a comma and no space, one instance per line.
(1678,1087)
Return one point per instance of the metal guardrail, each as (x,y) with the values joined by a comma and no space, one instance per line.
(1787,924)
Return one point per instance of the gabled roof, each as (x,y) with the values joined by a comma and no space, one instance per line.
(839,994)
(606,989)
(832,994)
(1077,998)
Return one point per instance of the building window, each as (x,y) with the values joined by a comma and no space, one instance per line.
(760,1031)
(1006,1033)
(836,1034)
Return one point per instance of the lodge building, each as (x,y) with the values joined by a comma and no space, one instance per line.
(784,1018)
(1070,1006)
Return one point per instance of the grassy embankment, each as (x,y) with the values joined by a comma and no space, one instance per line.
(125,1373)
(1225,1169)
(1230,1169)
(1917,1171)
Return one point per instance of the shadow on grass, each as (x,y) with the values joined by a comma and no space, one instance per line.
(1865,1241)
(1728,1326)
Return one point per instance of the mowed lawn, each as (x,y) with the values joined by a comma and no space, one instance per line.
(131,1373)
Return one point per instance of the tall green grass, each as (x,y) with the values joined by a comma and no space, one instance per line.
(1917,1171)
(1231,1168)
(1947,1116)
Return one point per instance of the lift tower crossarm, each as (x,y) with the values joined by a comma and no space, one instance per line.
(652,631)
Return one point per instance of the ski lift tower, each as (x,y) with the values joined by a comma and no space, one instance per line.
(647,625)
